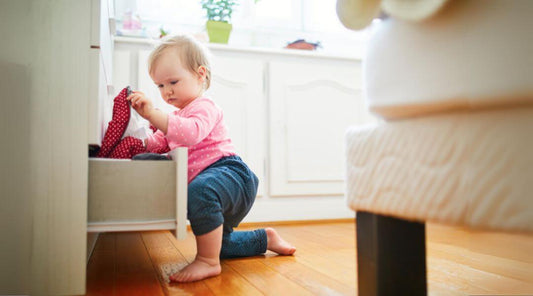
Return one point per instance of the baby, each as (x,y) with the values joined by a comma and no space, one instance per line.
(221,188)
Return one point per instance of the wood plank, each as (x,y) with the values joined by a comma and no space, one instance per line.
(472,261)
(510,245)
(163,253)
(515,246)
(334,266)
(324,264)
(454,276)
(135,274)
(190,247)
(265,278)
(101,267)
(228,282)
(318,282)
(519,270)
(476,279)
(323,254)
(315,259)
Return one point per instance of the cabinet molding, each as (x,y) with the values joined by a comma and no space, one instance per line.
(311,106)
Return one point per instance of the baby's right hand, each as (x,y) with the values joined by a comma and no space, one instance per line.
(141,104)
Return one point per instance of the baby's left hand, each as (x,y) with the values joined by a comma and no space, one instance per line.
(141,104)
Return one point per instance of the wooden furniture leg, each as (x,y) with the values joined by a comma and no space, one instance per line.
(391,256)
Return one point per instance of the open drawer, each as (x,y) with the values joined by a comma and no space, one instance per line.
(137,195)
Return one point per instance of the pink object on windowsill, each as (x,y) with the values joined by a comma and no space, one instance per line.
(131,22)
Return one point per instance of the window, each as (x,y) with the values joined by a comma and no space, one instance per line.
(321,16)
(277,14)
(269,23)
(162,11)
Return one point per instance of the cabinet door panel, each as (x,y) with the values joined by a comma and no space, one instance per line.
(311,106)
(237,87)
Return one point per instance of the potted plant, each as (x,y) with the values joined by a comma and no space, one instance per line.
(218,19)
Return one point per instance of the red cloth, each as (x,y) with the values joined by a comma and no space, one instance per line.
(113,146)
(127,148)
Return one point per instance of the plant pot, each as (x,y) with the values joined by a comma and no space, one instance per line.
(218,31)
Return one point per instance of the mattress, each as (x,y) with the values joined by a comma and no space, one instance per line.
(469,168)
(471,55)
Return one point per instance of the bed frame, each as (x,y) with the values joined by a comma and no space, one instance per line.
(138,195)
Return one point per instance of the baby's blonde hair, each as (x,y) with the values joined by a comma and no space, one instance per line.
(192,54)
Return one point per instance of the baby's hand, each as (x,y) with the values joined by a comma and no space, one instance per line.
(141,104)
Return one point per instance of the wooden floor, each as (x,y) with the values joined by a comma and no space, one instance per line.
(460,262)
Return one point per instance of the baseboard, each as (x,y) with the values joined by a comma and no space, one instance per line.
(284,209)
(131,226)
(295,222)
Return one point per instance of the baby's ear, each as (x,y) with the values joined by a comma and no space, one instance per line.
(202,71)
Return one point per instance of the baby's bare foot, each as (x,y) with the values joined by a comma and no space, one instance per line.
(276,244)
(199,269)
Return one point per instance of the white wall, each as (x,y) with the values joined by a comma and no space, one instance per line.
(43,157)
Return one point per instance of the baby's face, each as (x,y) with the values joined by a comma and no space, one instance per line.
(178,86)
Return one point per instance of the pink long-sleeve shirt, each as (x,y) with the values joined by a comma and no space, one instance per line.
(200,127)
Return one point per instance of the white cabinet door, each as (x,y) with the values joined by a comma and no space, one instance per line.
(312,103)
(237,87)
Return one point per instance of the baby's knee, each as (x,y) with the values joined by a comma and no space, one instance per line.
(204,219)
(203,207)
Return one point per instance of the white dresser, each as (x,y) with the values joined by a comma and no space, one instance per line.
(55,60)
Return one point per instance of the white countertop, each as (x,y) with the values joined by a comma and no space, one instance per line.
(249,49)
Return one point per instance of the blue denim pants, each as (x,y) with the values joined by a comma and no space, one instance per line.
(222,194)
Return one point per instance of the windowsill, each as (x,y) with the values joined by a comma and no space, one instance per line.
(247,49)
